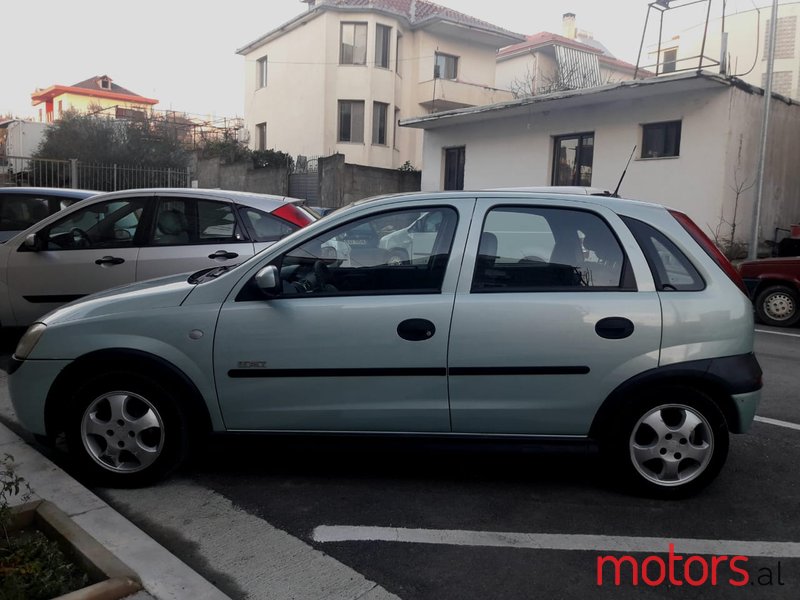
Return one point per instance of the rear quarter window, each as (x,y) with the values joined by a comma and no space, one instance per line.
(671,268)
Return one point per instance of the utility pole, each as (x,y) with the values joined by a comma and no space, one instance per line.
(773,30)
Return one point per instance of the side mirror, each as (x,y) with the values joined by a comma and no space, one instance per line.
(32,242)
(268,280)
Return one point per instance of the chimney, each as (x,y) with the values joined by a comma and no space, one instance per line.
(568,26)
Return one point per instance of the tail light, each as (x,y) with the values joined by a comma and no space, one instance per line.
(710,248)
(293,214)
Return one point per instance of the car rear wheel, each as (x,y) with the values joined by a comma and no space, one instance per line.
(672,445)
(126,430)
(777,305)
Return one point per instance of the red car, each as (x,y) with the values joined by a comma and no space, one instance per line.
(774,286)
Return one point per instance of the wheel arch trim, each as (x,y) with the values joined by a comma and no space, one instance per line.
(130,359)
(719,378)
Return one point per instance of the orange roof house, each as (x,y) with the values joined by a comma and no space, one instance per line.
(95,93)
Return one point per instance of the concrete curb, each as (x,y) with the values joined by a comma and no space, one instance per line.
(163,576)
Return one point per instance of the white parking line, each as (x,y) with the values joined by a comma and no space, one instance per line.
(778,423)
(549,541)
(778,333)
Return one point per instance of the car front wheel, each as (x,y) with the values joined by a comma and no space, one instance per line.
(126,430)
(672,445)
(777,305)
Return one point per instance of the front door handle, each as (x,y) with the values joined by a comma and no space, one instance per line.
(223,254)
(109,260)
(416,330)
(614,328)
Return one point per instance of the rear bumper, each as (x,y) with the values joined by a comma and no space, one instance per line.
(746,405)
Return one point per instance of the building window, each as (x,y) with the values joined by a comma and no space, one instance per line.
(383,36)
(670,61)
(380,112)
(394,128)
(261,68)
(454,159)
(351,121)
(397,54)
(261,136)
(446,66)
(573,158)
(661,139)
(354,44)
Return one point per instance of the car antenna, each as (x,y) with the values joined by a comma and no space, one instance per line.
(616,191)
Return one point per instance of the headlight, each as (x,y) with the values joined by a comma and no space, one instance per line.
(29,340)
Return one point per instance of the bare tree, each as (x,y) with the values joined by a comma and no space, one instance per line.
(571,77)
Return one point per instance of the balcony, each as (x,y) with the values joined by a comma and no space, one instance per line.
(437,95)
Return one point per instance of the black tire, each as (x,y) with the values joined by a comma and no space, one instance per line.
(683,458)
(778,306)
(146,453)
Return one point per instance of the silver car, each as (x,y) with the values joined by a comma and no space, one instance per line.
(122,237)
(531,316)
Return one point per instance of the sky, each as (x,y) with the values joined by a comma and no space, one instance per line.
(183,53)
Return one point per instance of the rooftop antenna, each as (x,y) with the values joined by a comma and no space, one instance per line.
(630,158)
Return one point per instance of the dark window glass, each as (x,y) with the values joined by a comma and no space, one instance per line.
(661,139)
(380,113)
(445,67)
(353,44)
(383,35)
(573,159)
(18,212)
(670,61)
(454,159)
(351,121)
(261,65)
(264,227)
(111,224)
(535,249)
(671,269)
(401,252)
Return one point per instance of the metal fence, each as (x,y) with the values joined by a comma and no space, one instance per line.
(25,171)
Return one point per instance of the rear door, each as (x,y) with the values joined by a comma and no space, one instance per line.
(544,328)
(189,234)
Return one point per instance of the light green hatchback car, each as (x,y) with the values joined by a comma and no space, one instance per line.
(525,316)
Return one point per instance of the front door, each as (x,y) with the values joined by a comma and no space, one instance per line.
(92,249)
(354,343)
(548,320)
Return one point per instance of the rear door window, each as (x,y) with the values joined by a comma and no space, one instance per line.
(536,249)
(671,269)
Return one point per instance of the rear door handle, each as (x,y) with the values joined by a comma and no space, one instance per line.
(614,328)
(223,254)
(416,330)
(109,260)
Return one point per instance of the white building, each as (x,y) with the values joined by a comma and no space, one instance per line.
(338,78)
(547,62)
(746,45)
(697,140)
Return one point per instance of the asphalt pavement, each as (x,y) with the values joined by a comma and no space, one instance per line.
(311,518)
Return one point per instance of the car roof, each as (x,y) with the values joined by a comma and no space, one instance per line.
(270,201)
(623,206)
(63,192)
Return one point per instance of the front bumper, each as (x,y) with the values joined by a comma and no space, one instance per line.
(746,405)
(28,384)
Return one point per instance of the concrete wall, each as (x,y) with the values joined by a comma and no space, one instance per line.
(212,173)
(342,183)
